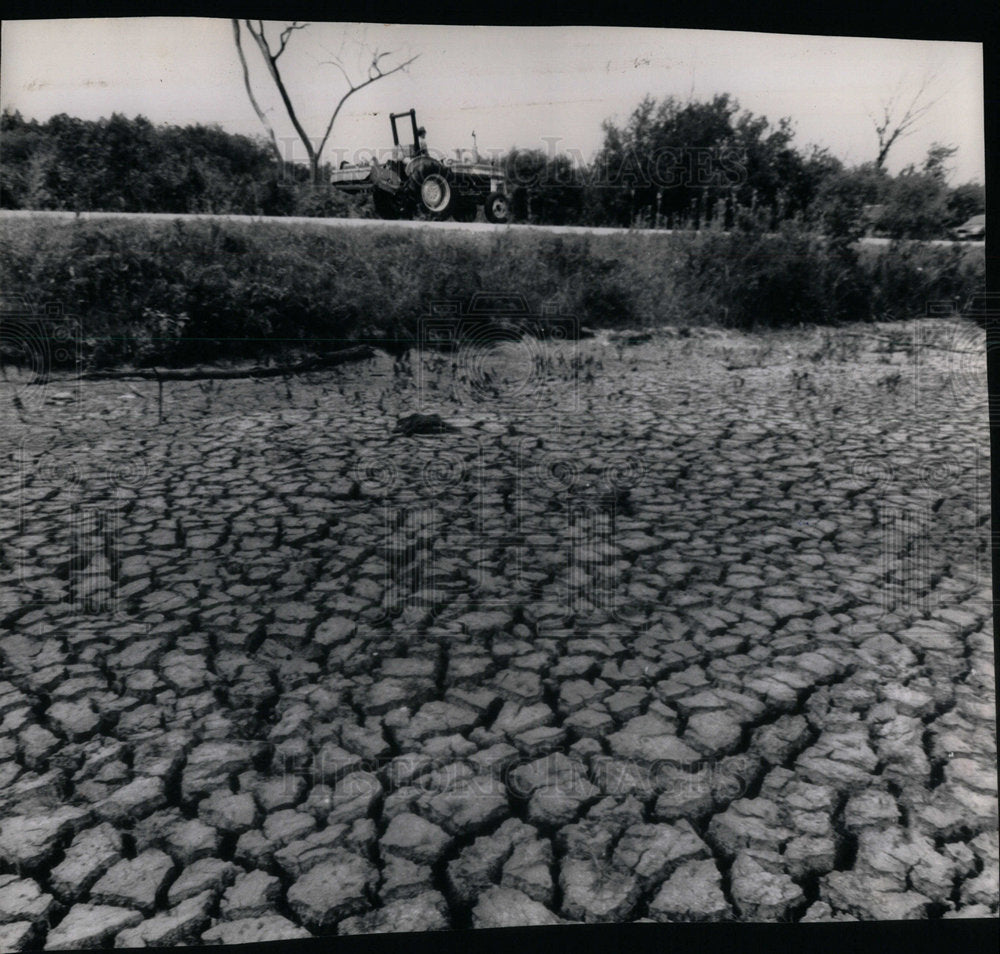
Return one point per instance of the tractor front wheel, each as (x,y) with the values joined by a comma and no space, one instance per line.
(497,208)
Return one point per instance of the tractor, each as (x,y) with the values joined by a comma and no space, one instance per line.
(413,181)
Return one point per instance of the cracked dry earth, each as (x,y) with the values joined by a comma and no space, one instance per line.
(695,628)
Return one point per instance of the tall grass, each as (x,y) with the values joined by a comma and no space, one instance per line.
(171,292)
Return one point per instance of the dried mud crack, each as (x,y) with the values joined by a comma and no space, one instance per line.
(683,641)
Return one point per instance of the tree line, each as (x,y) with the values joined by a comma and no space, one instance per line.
(671,164)
(131,165)
(695,164)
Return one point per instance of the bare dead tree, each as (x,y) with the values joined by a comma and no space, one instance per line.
(892,126)
(376,71)
(261,115)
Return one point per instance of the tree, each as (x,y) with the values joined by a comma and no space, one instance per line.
(915,206)
(691,162)
(918,201)
(965,201)
(845,199)
(803,185)
(546,189)
(937,156)
(376,71)
(132,165)
(891,126)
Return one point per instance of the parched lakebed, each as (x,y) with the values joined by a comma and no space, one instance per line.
(660,626)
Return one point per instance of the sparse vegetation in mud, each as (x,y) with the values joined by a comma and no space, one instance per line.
(169,293)
(836,348)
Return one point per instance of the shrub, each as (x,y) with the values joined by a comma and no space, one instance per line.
(168,292)
(904,278)
(915,207)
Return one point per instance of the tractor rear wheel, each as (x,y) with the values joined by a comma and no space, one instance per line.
(497,208)
(435,194)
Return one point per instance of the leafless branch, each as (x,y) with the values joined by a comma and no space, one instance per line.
(353,89)
(257,31)
(253,99)
(272,67)
(888,129)
(340,67)
(286,33)
(375,71)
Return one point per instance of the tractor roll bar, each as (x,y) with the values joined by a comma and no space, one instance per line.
(412,113)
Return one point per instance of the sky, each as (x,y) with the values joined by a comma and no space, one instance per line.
(530,87)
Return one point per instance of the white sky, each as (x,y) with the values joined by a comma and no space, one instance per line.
(512,85)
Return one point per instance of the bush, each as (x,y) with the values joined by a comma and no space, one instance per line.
(324,201)
(844,199)
(131,165)
(172,292)
(965,201)
(915,207)
(905,278)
